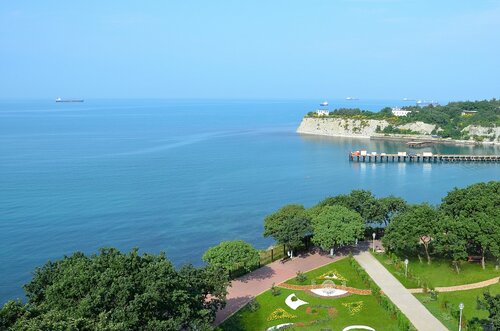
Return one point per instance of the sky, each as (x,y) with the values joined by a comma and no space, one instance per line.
(270,49)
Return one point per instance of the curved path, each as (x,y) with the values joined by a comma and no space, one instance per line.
(464,287)
(418,315)
(245,288)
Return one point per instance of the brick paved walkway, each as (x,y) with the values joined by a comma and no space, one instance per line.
(464,287)
(245,288)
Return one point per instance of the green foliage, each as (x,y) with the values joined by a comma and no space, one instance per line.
(300,277)
(473,219)
(288,226)
(116,291)
(336,226)
(275,291)
(232,255)
(360,201)
(491,303)
(412,229)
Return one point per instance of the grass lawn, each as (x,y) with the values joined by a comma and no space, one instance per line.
(454,299)
(439,273)
(371,313)
(341,267)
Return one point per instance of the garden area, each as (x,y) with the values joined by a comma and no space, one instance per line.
(445,306)
(341,272)
(304,310)
(439,273)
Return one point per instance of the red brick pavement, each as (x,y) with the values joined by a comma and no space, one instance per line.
(245,288)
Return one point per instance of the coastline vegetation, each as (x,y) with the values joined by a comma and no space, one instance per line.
(449,119)
(114,290)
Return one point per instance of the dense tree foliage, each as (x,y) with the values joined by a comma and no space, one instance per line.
(413,230)
(288,226)
(475,210)
(361,201)
(116,291)
(337,226)
(491,303)
(467,223)
(232,255)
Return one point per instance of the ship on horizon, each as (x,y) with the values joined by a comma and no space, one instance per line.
(324,104)
(68,100)
(351,98)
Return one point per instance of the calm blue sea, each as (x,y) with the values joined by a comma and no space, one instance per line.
(178,175)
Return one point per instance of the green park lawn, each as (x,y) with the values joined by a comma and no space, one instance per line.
(341,267)
(321,313)
(439,273)
(469,299)
(322,318)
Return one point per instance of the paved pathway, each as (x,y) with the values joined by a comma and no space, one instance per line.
(464,287)
(419,316)
(245,288)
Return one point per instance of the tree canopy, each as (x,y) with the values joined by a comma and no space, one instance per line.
(289,225)
(116,291)
(337,226)
(232,255)
(412,229)
(476,208)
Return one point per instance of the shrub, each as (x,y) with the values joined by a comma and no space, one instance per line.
(275,291)
(301,277)
(253,305)
(294,298)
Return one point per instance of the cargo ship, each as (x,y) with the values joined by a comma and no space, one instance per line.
(69,100)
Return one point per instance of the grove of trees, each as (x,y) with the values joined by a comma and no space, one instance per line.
(232,255)
(117,291)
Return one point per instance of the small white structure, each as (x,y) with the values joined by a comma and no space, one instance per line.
(279,326)
(294,304)
(469,112)
(358,327)
(328,292)
(396,111)
(322,112)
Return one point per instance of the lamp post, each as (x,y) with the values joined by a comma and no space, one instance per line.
(461,306)
(406,268)
(373,235)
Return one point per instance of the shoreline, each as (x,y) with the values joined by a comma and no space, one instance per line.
(406,138)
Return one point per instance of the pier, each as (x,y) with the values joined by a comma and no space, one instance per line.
(382,157)
(419,144)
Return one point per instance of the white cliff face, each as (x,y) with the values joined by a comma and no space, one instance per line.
(366,128)
(341,127)
(490,134)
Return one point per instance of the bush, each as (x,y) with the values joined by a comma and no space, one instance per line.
(301,277)
(294,298)
(253,305)
(275,291)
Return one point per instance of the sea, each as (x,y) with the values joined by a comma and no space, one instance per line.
(180,176)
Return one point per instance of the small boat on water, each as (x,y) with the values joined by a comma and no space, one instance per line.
(351,98)
(324,104)
(69,100)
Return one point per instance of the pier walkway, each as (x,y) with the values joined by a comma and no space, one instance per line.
(383,158)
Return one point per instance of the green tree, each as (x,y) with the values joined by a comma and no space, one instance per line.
(232,255)
(451,240)
(288,226)
(116,291)
(361,201)
(391,206)
(416,227)
(491,303)
(336,226)
(477,206)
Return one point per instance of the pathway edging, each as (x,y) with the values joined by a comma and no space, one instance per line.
(463,287)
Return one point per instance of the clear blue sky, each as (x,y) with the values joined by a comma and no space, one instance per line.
(250,49)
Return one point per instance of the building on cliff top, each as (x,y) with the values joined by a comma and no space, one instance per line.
(322,112)
(396,111)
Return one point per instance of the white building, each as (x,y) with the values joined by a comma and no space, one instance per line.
(400,112)
(322,112)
